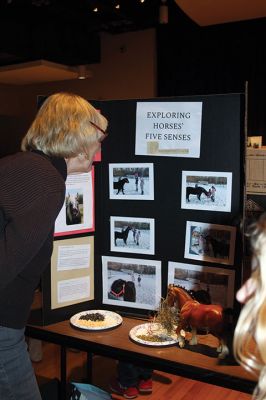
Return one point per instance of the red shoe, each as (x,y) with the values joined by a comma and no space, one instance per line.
(145,386)
(126,392)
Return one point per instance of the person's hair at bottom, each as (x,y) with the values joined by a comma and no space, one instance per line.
(250,332)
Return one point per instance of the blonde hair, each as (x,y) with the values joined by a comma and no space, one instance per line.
(62,126)
(250,333)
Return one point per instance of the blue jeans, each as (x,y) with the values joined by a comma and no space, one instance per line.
(129,374)
(17,378)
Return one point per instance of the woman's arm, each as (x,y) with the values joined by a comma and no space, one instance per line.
(24,235)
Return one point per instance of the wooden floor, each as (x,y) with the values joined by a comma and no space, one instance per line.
(166,386)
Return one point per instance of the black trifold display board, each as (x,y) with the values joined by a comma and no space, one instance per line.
(221,149)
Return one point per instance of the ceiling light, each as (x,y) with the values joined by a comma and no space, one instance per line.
(83,72)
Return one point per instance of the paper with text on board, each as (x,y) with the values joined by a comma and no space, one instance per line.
(168,129)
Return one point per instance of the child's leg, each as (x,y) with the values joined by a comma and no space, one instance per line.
(145,373)
(127,381)
(145,380)
(128,374)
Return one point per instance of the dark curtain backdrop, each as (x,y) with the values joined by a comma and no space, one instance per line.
(218,59)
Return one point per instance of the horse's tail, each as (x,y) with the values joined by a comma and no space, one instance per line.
(227,333)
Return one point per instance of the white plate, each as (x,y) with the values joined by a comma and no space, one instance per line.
(154,329)
(111,320)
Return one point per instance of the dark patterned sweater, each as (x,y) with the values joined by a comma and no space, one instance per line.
(32,192)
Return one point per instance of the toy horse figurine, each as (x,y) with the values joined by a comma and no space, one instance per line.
(209,317)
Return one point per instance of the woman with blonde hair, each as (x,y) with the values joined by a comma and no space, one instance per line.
(63,139)
(250,332)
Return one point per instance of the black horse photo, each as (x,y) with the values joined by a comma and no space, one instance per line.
(219,248)
(122,290)
(123,235)
(119,185)
(196,191)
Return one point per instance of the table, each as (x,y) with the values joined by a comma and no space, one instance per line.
(116,344)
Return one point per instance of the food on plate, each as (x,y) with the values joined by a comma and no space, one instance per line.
(96,320)
(93,317)
(153,338)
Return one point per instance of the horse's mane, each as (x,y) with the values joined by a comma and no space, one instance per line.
(189,292)
(202,296)
(130,291)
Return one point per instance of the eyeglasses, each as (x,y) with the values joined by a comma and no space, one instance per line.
(105,134)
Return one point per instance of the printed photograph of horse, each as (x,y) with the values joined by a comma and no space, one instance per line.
(74,207)
(77,215)
(131,282)
(208,190)
(132,235)
(208,285)
(131,181)
(210,242)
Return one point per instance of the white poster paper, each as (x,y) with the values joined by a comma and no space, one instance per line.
(169,129)
(256,171)
(73,289)
(73,257)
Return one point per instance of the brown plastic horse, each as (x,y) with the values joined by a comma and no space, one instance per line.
(209,317)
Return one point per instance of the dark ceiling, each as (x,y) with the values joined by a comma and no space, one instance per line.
(67,31)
